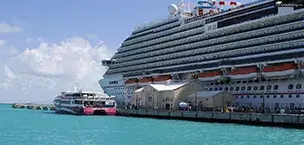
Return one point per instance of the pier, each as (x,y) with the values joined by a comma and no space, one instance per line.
(280,120)
(33,106)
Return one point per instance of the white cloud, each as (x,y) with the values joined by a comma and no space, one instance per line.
(8,28)
(39,74)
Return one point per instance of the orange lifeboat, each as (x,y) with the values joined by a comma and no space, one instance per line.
(210,75)
(145,80)
(280,70)
(162,78)
(131,81)
(244,72)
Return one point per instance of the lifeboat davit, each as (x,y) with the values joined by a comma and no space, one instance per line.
(280,70)
(210,75)
(247,72)
(145,80)
(162,78)
(131,81)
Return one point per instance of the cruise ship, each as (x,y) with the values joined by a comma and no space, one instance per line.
(253,50)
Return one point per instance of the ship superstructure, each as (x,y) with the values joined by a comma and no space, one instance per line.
(254,50)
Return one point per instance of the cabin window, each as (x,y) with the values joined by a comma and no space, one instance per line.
(211,89)
(212,84)
(231,89)
(238,82)
(237,88)
(290,86)
(226,88)
(282,96)
(299,86)
(275,87)
(236,97)
(254,96)
(217,83)
(215,89)
(248,97)
(289,96)
(243,88)
(221,88)
(262,88)
(274,96)
(269,87)
(268,96)
(249,88)
(255,88)
(297,96)
(250,81)
(242,97)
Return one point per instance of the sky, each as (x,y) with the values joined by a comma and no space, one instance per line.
(47,46)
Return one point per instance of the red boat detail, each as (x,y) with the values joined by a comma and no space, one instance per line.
(280,70)
(210,75)
(145,80)
(244,72)
(162,78)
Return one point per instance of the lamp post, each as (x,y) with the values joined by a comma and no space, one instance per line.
(263,103)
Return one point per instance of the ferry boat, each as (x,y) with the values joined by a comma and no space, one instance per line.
(253,50)
(78,102)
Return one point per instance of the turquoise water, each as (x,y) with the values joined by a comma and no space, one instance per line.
(32,127)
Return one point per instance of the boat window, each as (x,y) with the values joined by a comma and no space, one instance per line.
(282,96)
(243,88)
(275,87)
(211,89)
(254,96)
(215,89)
(290,86)
(268,96)
(221,88)
(231,89)
(262,87)
(226,88)
(255,88)
(248,96)
(274,96)
(297,96)
(269,87)
(299,86)
(289,96)
(242,97)
(249,88)
(236,96)
(238,82)
(237,88)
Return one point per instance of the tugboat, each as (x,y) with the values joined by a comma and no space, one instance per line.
(79,102)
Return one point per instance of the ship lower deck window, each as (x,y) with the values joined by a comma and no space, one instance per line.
(289,96)
(255,88)
(249,88)
(243,88)
(275,87)
(254,96)
(297,96)
(290,86)
(267,96)
(299,86)
(231,89)
(226,88)
(237,88)
(269,87)
(262,88)
(274,96)
(282,96)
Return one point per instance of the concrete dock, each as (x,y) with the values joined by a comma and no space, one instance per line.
(280,120)
(33,106)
